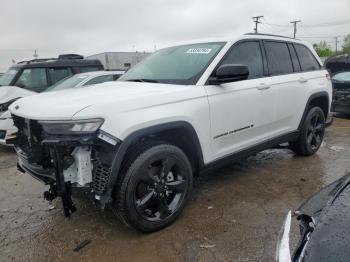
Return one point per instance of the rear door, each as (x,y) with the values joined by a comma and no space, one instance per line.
(286,84)
(240,111)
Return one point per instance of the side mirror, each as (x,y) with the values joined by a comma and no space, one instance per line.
(229,73)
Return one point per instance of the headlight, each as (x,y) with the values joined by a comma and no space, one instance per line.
(71,127)
(282,250)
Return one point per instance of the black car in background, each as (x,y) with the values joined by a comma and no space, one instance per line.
(324,221)
(38,74)
(339,67)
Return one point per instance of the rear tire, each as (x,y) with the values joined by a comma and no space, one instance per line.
(154,187)
(311,133)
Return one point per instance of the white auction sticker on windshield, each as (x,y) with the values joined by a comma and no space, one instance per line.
(198,51)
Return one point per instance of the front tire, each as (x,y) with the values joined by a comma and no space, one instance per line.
(154,188)
(311,133)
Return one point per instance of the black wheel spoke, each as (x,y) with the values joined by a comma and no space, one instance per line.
(167,165)
(317,140)
(310,138)
(319,128)
(311,128)
(163,207)
(315,120)
(144,202)
(178,186)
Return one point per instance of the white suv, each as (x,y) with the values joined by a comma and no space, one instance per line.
(137,143)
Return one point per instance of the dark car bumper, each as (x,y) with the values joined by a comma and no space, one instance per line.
(341,107)
(45,175)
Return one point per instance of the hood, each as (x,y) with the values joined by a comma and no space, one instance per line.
(313,206)
(330,239)
(120,96)
(8,93)
(329,211)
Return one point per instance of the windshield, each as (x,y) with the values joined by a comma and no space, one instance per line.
(68,82)
(182,65)
(342,77)
(7,78)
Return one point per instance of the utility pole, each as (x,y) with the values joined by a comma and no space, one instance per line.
(256,20)
(336,44)
(295,26)
(35,55)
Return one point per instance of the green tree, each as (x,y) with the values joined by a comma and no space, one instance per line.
(323,49)
(346,44)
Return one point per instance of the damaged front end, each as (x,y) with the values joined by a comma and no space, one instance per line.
(65,155)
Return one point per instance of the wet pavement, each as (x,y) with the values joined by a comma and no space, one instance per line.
(235,213)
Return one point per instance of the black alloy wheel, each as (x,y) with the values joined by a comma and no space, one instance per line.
(155,187)
(311,133)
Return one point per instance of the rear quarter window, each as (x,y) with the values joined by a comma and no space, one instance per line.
(307,60)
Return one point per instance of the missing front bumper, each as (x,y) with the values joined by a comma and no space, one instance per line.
(79,162)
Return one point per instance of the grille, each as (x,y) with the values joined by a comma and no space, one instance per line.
(101,178)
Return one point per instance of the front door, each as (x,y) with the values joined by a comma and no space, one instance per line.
(241,112)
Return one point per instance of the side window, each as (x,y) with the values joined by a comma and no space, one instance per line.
(278,58)
(249,54)
(293,54)
(307,60)
(99,79)
(88,69)
(57,74)
(33,79)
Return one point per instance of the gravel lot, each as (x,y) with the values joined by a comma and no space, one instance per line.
(235,214)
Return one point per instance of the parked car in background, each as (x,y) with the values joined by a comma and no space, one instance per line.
(30,77)
(38,74)
(138,142)
(75,81)
(339,66)
(341,92)
(86,79)
(324,221)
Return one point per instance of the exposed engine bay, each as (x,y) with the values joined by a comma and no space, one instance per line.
(65,161)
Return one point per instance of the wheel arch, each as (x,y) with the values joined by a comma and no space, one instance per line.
(172,133)
(320,99)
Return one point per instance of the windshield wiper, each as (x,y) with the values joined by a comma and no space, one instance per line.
(142,80)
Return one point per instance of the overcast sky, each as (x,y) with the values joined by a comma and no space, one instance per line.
(87,27)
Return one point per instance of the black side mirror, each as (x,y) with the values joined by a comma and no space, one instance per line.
(229,73)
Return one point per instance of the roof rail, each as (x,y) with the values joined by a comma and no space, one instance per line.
(60,57)
(36,60)
(271,35)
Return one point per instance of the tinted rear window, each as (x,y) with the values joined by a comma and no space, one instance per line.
(307,60)
(278,58)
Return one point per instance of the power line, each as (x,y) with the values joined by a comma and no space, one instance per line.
(329,24)
(256,20)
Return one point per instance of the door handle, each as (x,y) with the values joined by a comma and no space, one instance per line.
(302,80)
(263,86)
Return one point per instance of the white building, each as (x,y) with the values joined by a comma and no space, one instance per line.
(119,60)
